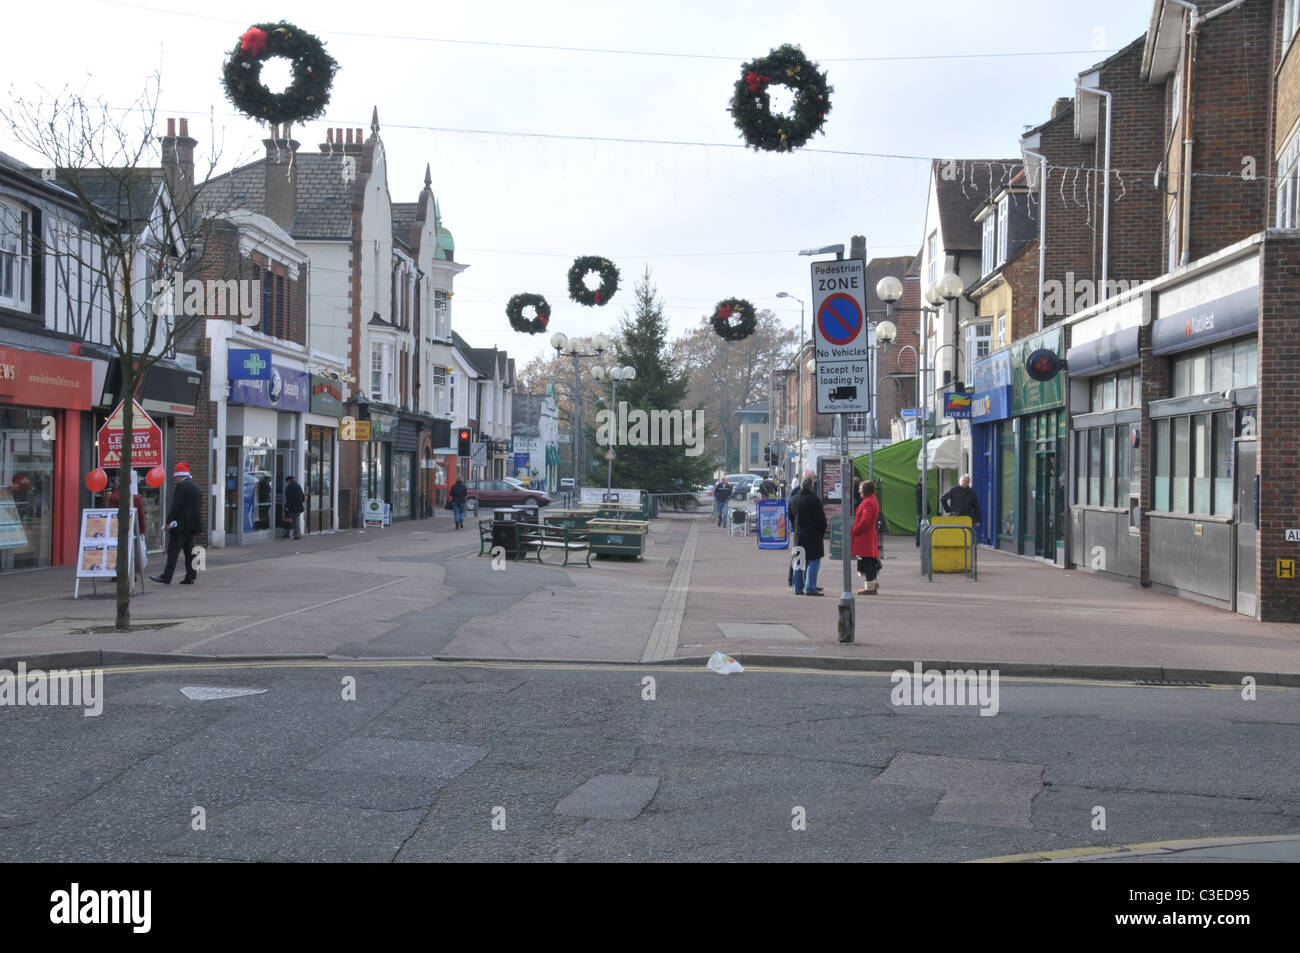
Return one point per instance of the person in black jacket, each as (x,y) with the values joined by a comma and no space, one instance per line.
(458,494)
(294,503)
(810,518)
(184,520)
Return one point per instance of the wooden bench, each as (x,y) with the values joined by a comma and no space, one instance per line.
(540,538)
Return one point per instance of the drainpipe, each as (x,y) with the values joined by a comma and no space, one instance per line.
(1105,220)
(1042,229)
(1193,29)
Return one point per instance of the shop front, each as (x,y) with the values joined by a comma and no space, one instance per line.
(320,467)
(263,446)
(1204,428)
(443,476)
(42,401)
(1036,442)
(377,467)
(1105,406)
(993,471)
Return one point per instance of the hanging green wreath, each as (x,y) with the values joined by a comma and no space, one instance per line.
(733,319)
(313,74)
(578,289)
(751,106)
(541,313)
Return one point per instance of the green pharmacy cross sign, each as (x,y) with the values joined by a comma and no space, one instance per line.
(249,364)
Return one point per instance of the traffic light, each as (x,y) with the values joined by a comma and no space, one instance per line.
(464,437)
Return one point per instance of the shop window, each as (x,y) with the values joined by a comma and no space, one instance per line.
(1108,394)
(1201,464)
(1080,468)
(1245,363)
(1007,525)
(1108,466)
(1124,391)
(1214,370)
(1182,452)
(1223,464)
(1123,476)
(1162,472)
(15,256)
(1094,465)
(26,489)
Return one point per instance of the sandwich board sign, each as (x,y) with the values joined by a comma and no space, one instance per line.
(843,354)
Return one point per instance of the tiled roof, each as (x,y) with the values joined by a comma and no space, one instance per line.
(129,194)
(961,194)
(324,199)
(404,222)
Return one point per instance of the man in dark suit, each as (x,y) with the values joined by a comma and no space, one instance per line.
(295,502)
(184,519)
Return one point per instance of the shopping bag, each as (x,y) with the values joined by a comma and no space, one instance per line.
(724,664)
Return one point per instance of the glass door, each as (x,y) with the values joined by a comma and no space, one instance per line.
(1045,503)
(1245,529)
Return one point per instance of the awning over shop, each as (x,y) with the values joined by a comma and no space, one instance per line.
(944,453)
(552,456)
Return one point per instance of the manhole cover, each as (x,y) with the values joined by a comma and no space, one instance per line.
(204,693)
(761,631)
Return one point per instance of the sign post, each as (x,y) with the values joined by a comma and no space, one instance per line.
(843,367)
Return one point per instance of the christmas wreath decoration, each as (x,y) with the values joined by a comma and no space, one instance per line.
(541,313)
(313,74)
(726,311)
(578,289)
(751,106)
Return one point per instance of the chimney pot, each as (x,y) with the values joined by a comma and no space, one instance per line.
(171,127)
(185,127)
(349,137)
(360,138)
(329,136)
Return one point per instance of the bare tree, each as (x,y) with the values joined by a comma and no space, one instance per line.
(137,196)
(728,375)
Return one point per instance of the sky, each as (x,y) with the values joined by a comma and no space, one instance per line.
(570,128)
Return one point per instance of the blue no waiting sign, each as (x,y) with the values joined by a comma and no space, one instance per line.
(840,319)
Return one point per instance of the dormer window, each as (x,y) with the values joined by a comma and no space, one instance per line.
(990,226)
(1004,208)
(15,256)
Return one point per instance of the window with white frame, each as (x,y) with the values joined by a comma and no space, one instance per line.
(1290,16)
(15,256)
(451,393)
(441,313)
(1004,209)
(979,345)
(1175,97)
(1288,180)
(382,382)
(986,248)
(439,390)
(1002,339)
(932,252)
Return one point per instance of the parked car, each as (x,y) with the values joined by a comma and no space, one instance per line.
(740,484)
(489,493)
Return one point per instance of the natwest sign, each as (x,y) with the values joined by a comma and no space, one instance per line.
(146,439)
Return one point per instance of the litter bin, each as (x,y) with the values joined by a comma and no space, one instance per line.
(950,549)
(617,537)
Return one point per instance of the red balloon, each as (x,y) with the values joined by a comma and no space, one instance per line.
(96,480)
(156,476)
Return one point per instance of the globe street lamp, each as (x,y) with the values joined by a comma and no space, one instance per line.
(947,289)
(564,345)
(613,375)
(886,332)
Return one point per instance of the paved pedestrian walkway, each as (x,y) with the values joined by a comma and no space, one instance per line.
(419,590)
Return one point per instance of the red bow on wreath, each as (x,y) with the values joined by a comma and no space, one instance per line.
(599,298)
(543,320)
(252,43)
(753,80)
(725,312)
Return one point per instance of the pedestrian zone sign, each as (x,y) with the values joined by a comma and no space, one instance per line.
(843,354)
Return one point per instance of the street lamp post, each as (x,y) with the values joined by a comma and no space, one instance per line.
(886,331)
(614,375)
(563,345)
(798,385)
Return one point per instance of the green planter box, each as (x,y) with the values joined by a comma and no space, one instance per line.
(618,537)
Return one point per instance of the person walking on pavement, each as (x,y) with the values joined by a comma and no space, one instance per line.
(459,493)
(721,495)
(184,520)
(294,504)
(961,500)
(794,523)
(865,540)
(919,494)
(811,535)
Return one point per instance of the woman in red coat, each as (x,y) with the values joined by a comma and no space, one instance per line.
(865,544)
